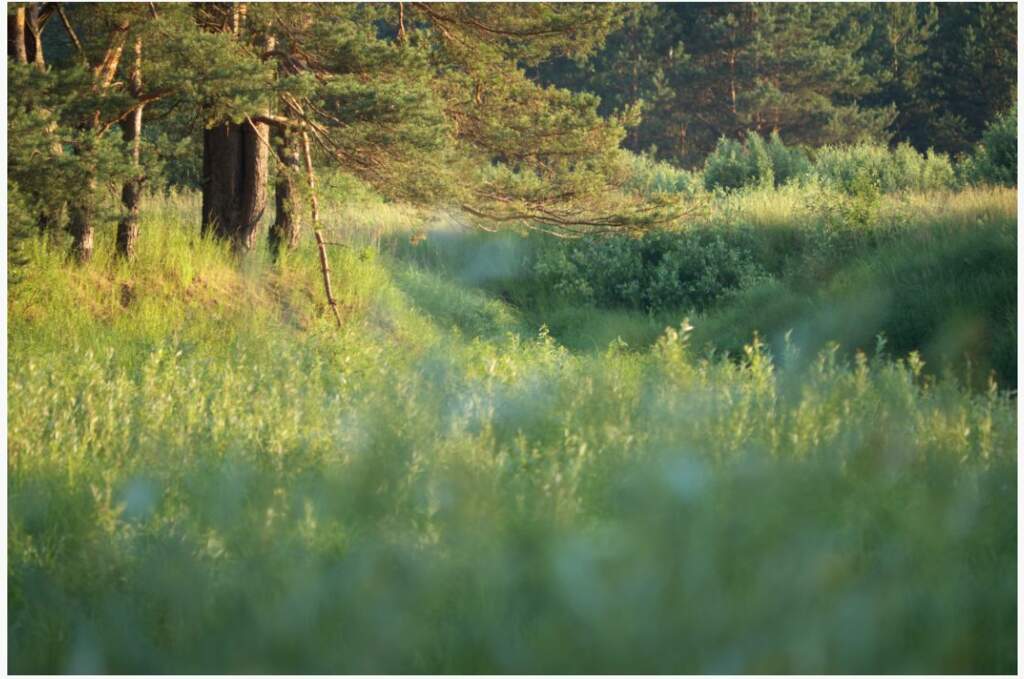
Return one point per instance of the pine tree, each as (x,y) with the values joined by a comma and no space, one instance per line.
(629,71)
(714,70)
(427,103)
(971,72)
(895,56)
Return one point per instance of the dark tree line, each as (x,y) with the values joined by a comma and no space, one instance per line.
(931,74)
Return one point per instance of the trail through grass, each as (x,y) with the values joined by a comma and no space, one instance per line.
(205,476)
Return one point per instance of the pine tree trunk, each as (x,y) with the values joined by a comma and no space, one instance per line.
(235,172)
(287,224)
(253,187)
(49,222)
(16,36)
(128,227)
(80,224)
(221,162)
(24,32)
(206,185)
(81,210)
(235,162)
(35,30)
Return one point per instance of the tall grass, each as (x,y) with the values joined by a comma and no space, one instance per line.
(205,476)
(934,272)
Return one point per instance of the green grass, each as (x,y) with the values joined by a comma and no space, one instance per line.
(206,476)
(934,273)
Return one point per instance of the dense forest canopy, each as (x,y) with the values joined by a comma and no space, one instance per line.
(933,74)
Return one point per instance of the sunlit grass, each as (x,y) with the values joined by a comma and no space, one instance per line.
(206,476)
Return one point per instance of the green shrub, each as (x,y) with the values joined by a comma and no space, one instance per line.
(755,162)
(857,205)
(899,169)
(860,236)
(941,281)
(733,165)
(764,163)
(659,271)
(651,177)
(788,162)
(20,228)
(995,159)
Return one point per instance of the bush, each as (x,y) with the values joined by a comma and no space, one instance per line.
(651,177)
(733,165)
(764,163)
(20,225)
(899,169)
(995,159)
(660,271)
(755,162)
(788,162)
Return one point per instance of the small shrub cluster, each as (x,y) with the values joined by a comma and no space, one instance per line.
(651,177)
(659,271)
(772,260)
(758,162)
(856,205)
(850,168)
(995,159)
(755,162)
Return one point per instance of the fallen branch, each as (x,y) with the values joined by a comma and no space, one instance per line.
(71,34)
(326,271)
(321,245)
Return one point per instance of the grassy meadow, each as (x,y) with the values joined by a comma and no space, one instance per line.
(779,439)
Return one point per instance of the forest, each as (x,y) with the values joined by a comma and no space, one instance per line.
(487,338)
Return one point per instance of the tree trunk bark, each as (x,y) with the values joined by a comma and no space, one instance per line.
(287,224)
(16,36)
(253,189)
(24,31)
(235,172)
(206,185)
(80,224)
(235,162)
(35,29)
(81,210)
(131,191)
(221,162)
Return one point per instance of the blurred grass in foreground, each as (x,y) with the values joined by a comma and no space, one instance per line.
(204,476)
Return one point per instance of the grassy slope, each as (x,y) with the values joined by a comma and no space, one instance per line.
(206,476)
(934,273)
(941,280)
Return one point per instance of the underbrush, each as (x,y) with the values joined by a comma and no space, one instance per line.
(758,163)
(931,272)
(206,476)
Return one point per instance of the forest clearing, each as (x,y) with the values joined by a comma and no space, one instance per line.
(590,400)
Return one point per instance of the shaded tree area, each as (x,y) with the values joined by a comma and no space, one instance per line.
(511,114)
(427,103)
(932,74)
(971,74)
